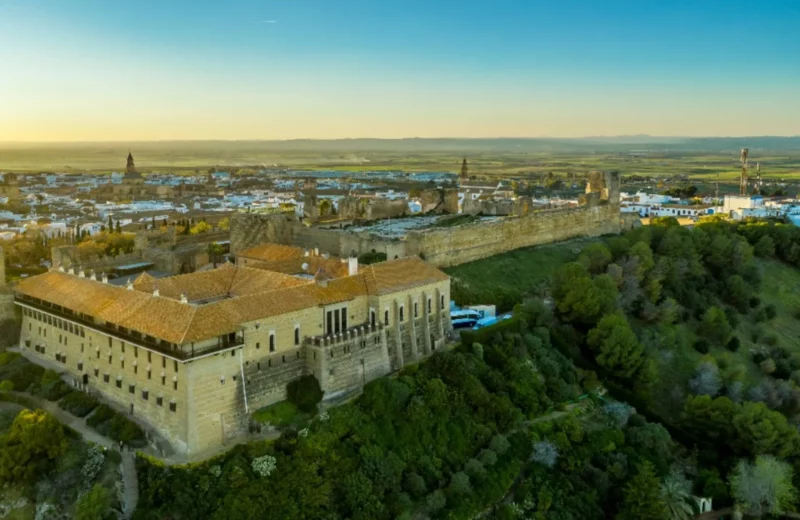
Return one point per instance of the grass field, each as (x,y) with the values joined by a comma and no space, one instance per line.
(492,158)
(505,279)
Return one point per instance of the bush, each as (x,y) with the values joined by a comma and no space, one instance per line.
(701,346)
(125,430)
(770,339)
(26,376)
(305,393)
(53,391)
(734,344)
(771,311)
(755,301)
(102,414)
(8,357)
(78,403)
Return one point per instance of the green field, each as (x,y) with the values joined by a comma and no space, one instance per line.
(699,159)
(505,279)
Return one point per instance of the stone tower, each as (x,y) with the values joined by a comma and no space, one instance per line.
(130,167)
(464,170)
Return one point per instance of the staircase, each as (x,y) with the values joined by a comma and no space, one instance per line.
(131,484)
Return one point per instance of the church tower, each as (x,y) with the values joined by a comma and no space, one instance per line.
(130,167)
(464,170)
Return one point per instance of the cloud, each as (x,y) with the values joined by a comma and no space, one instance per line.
(268,21)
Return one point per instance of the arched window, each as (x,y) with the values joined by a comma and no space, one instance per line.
(386,318)
(272,342)
(297,335)
(401,313)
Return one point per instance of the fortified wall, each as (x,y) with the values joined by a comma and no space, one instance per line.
(597,215)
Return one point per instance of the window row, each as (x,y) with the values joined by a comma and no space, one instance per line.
(55,322)
(119,378)
(273,340)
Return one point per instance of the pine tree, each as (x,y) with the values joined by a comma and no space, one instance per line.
(642,497)
(119,228)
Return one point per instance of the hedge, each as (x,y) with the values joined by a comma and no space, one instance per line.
(79,404)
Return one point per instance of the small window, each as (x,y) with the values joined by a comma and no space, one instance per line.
(81,348)
(96,372)
(297,335)
(160,401)
(149,357)
(105,378)
(174,385)
(284,358)
(136,352)
(122,363)
(163,380)
(386,318)
(163,361)
(401,314)
(135,369)
(145,394)
(122,346)
(272,342)
(98,354)
(119,383)
(80,366)
(416,314)
(131,389)
(258,365)
(258,346)
(441,302)
(149,373)
(109,342)
(173,406)
(175,364)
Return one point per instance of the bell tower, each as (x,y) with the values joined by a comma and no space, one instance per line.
(130,167)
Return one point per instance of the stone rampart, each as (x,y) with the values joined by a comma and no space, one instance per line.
(453,246)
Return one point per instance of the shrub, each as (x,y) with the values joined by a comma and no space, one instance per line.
(305,393)
(701,346)
(53,391)
(755,301)
(6,386)
(78,403)
(8,357)
(734,344)
(767,366)
(265,465)
(102,414)
(125,430)
(771,311)
(770,339)
(26,376)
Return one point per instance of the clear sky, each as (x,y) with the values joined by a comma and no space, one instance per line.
(278,69)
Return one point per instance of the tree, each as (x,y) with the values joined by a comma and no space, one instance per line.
(459,484)
(94,504)
(676,492)
(760,431)
(616,345)
(304,393)
(642,497)
(545,453)
(35,439)
(200,227)
(214,251)
(715,326)
(765,247)
(706,380)
(763,488)
(595,257)
(579,297)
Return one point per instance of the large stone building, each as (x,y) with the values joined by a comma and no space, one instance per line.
(193,355)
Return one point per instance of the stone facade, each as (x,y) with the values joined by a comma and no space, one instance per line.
(201,395)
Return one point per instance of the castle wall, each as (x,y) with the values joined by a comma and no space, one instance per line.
(453,246)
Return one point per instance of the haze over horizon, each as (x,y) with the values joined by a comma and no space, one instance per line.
(247,70)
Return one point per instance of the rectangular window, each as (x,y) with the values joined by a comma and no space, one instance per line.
(297,335)
(109,343)
(131,389)
(441,302)
(163,361)
(122,364)
(119,383)
(174,385)
(163,380)
(109,359)
(159,401)
(135,369)
(344,319)
(145,394)
(81,348)
(258,346)
(401,314)
(96,372)
(122,346)
(80,367)
(105,378)
(329,329)
(386,318)
(172,406)
(135,351)
(98,354)
(149,373)
(336,320)
(272,342)
(149,357)
(176,365)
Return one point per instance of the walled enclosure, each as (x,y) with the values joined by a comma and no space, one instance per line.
(446,247)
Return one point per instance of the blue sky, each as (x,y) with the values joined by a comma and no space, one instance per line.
(177,69)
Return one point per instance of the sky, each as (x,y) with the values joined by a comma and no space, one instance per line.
(89,70)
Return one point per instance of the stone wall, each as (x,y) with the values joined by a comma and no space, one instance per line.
(453,246)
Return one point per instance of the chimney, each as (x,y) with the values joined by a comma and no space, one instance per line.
(352,266)
(81,274)
(155,290)
(93,275)
(71,270)
(184,299)
(61,268)
(130,284)
(316,251)
(104,277)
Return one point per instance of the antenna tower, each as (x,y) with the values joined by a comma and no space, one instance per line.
(716,191)
(743,179)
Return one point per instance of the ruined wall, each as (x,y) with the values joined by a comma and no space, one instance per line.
(439,200)
(470,242)
(252,229)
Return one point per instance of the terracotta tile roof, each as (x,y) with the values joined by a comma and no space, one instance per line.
(227,280)
(253,294)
